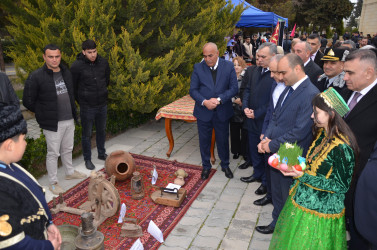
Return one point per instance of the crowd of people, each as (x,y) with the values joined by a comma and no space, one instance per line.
(324,98)
(318,95)
(50,92)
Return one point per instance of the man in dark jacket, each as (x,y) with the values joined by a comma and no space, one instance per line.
(7,94)
(48,93)
(91,77)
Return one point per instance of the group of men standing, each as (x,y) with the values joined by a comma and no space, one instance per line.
(277,104)
(51,91)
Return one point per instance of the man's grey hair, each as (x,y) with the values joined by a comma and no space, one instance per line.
(210,44)
(308,48)
(271,46)
(276,58)
(365,56)
(368,47)
(350,42)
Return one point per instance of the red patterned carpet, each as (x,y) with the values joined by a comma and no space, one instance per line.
(145,210)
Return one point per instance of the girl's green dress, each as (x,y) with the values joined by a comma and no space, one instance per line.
(313,215)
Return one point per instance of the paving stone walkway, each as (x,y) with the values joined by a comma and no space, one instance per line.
(222,217)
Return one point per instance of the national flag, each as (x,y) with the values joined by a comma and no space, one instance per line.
(293,31)
(275,36)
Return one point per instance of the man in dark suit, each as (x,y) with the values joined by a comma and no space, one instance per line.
(315,54)
(255,103)
(312,70)
(276,90)
(213,84)
(366,202)
(361,97)
(290,122)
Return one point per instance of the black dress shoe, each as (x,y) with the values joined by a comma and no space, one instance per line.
(265,229)
(205,174)
(102,157)
(261,190)
(236,156)
(262,202)
(228,173)
(245,165)
(89,165)
(249,179)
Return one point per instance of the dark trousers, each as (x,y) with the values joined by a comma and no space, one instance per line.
(90,116)
(280,185)
(357,242)
(267,172)
(222,141)
(256,158)
(238,139)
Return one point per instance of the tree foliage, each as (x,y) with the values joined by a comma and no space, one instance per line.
(284,8)
(322,13)
(355,14)
(151,45)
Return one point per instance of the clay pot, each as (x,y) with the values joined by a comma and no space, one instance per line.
(121,164)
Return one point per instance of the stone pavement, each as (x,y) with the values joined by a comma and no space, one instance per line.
(222,217)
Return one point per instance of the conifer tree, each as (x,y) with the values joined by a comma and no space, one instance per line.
(151,45)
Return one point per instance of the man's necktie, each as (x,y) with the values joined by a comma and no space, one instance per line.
(290,91)
(353,102)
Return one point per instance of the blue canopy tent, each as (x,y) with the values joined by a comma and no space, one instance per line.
(254,17)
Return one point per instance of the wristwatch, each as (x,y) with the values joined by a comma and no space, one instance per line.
(219,99)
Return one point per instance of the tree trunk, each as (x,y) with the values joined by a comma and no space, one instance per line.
(2,64)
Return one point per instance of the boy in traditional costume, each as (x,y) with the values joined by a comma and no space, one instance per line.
(25,219)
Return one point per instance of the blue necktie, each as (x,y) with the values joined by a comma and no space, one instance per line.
(290,91)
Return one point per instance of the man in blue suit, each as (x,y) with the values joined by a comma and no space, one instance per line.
(213,84)
(290,122)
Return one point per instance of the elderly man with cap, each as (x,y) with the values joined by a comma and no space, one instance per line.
(333,68)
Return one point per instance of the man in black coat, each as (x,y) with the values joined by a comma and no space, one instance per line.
(361,97)
(366,202)
(315,54)
(312,70)
(49,94)
(91,77)
(255,103)
(7,94)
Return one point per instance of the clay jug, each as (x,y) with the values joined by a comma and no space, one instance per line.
(121,164)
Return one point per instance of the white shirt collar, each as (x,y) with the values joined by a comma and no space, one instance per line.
(366,89)
(295,86)
(363,92)
(217,64)
(313,56)
(307,62)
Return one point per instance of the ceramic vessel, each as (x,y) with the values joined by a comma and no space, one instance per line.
(121,164)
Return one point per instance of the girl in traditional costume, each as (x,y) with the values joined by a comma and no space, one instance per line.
(313,215)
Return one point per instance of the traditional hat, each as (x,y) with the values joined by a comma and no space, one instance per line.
(12,122)
(335,101)
(336,54)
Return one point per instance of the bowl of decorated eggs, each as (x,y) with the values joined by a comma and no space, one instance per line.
(288,156)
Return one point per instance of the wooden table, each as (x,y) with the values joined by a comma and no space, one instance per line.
(181,109)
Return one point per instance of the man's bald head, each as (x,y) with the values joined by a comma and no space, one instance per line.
(210,54)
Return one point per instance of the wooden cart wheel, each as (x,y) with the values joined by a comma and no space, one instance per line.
(110,199)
